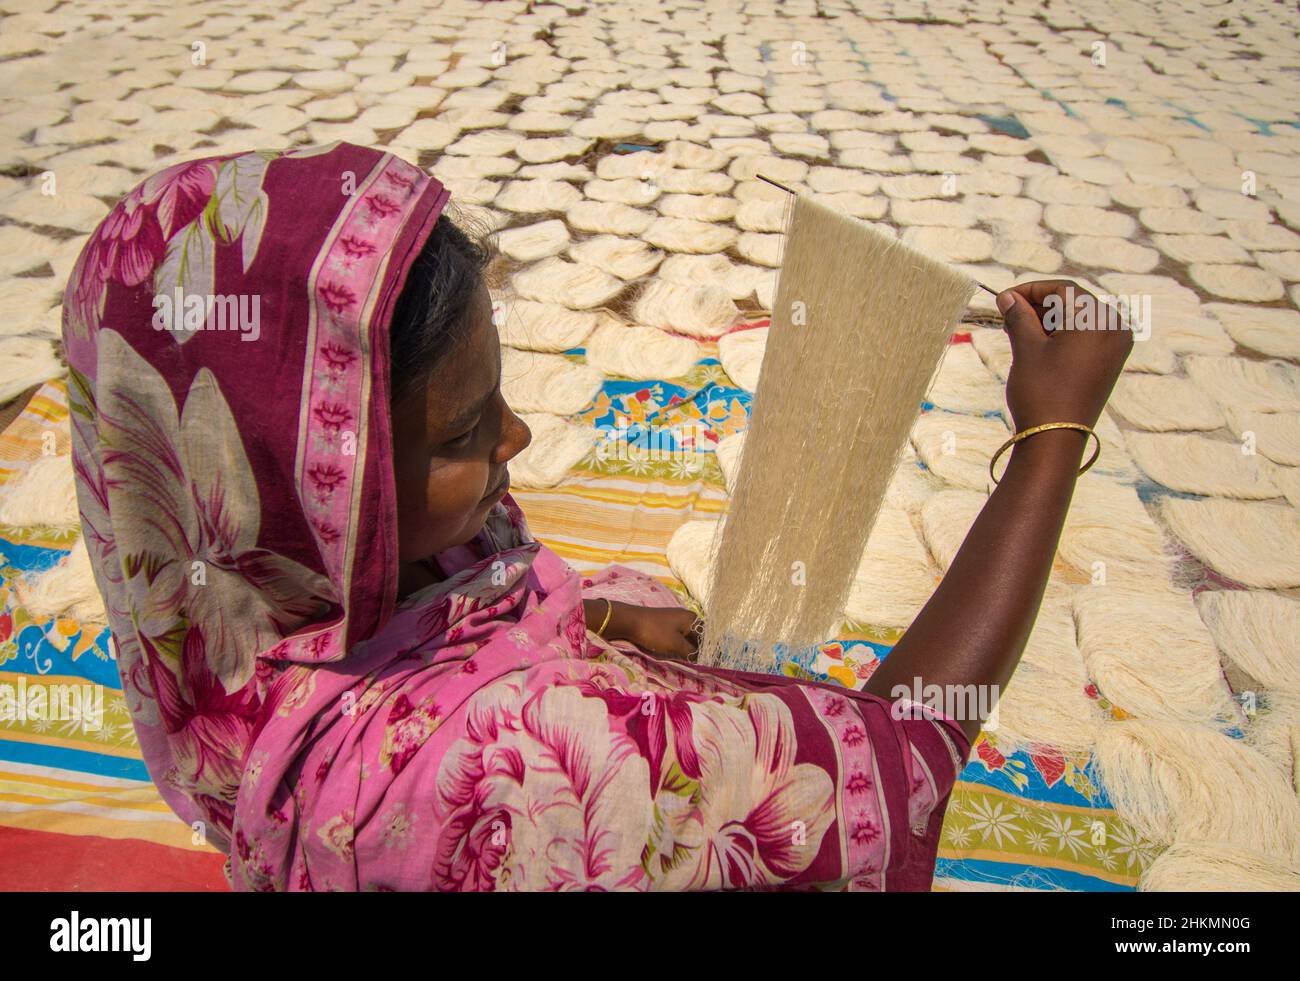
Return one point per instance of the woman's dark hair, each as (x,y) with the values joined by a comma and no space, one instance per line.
(430,315)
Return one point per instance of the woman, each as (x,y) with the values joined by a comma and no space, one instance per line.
(348,662)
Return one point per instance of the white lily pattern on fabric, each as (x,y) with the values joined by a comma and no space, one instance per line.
(187,517)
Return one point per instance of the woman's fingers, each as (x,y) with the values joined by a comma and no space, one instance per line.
(691,633)
(1066,352)
(675,646)
(1038,292)
(1024,326)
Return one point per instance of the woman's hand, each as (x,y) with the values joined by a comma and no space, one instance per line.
(670,632)
(1059,372)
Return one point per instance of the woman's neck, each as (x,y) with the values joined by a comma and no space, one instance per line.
(414,576)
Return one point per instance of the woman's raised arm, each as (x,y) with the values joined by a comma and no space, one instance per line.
(974,628)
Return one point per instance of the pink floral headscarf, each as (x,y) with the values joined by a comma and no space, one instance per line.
(219,471)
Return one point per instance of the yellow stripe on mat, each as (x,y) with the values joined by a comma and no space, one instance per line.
(593,521)
(171,832)
(39,798)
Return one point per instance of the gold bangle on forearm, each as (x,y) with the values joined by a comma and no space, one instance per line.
(609,612)
(1042,429)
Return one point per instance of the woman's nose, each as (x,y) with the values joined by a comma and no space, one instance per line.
(517,436)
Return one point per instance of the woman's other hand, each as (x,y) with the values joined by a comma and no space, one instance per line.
(668,632)
(1067,350)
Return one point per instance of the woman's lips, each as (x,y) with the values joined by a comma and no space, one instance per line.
(500,490)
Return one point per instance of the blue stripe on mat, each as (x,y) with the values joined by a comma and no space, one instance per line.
(77,760)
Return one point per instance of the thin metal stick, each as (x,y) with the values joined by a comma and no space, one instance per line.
(789,191)
(774,183)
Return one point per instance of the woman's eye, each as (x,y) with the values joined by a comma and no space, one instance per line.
(461,440)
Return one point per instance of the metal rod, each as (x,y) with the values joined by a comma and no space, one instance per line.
(774,183)
(789,191)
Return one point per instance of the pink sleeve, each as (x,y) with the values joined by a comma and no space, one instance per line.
(934,754)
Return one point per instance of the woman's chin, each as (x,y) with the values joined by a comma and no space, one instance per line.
(476,519)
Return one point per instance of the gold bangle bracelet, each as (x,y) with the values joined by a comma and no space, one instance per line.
(1042,429)
(609,612)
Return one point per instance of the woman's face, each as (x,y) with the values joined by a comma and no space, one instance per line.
(452,437)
